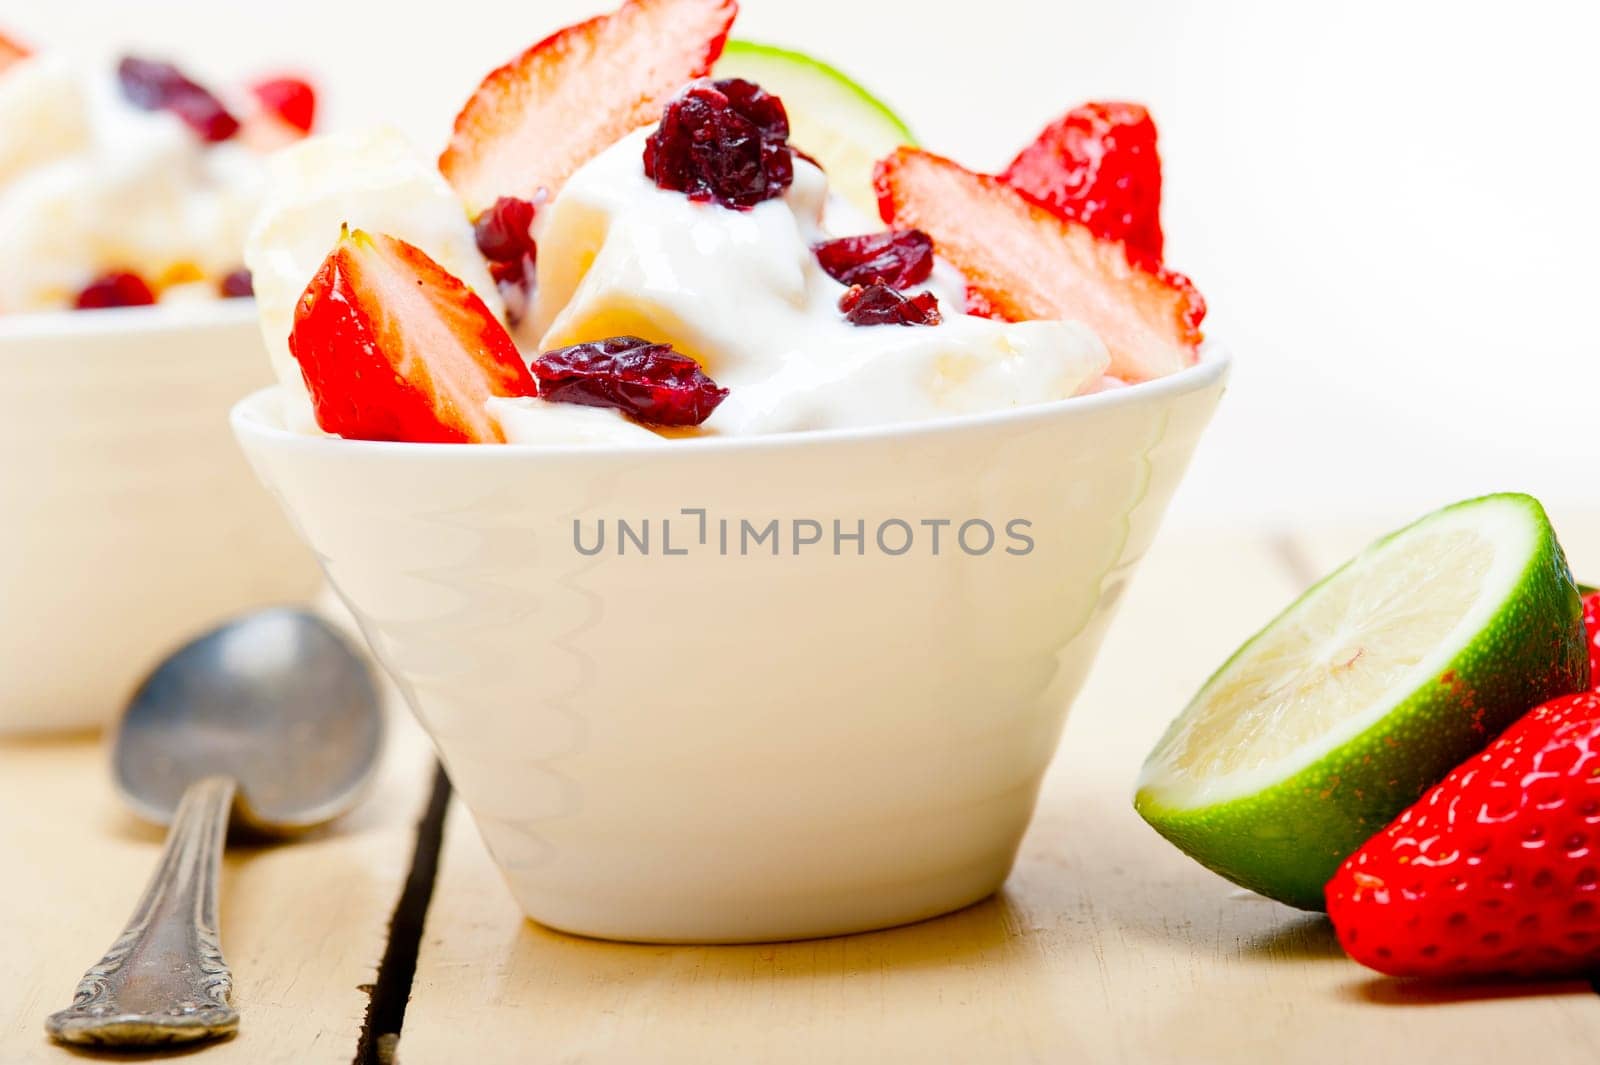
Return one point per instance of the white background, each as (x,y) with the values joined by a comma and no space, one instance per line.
(1390,207)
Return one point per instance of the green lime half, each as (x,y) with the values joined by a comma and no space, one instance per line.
(1364,693)
(831,118)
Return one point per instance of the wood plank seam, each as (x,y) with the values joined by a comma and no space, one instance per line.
(389,994)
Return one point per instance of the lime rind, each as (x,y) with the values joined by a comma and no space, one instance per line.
(737,53)
(1283,830)
(831,116)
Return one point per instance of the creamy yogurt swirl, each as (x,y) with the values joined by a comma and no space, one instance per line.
(739,291)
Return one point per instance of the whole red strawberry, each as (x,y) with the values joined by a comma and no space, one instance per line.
(1098,165)
(1496,870)
(1591,625)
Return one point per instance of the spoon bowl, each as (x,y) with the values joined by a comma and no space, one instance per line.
(275,700)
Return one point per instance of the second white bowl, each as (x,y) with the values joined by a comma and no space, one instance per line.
(128,518)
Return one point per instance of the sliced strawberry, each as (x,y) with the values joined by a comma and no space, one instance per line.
(1022,262)
(1098,165)
(544,114)
(11,52)
(292,100)
(393,347)
(978,304)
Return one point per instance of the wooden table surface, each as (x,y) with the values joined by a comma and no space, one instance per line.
(390,937)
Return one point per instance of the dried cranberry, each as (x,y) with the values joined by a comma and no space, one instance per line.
(758,105)
(515,282)
(725,142)
(899,258)
(157,86)
(118,288)
(649,381)
(513,273)
(504,234)
(237,285)
(878,304)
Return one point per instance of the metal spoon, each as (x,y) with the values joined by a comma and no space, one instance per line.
(271,719)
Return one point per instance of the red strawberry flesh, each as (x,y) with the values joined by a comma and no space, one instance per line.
(1023,262)
(544,114)
(11,51)
(1494,871)
(1098,165)
(393,347)
(292,99)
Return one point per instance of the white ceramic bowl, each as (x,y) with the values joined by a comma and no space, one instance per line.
(715,747)
(128,520)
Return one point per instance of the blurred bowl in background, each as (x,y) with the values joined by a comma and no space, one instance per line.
(128,518)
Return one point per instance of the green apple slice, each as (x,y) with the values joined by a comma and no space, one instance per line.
(1366,692)
(831,117)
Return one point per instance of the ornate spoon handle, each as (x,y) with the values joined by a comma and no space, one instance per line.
(164,980)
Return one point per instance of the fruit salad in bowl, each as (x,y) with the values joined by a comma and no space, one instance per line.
(130,522)
(737,491)
(620,181)
(124,182)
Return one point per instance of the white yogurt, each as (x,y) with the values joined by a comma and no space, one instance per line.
(533,421)
(741,292)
